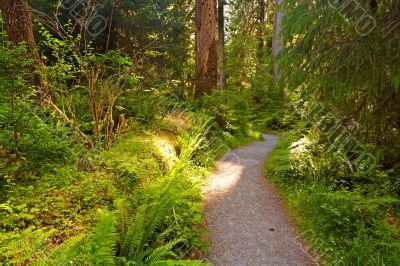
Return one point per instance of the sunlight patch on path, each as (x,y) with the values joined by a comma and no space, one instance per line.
(247,222)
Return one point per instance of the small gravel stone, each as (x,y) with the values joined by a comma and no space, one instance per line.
(245,216)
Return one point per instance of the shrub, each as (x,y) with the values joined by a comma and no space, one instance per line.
(348,216)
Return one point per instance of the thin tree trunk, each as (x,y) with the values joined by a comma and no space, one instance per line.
(261,31)
(109,26)
(221,45)
(206,48)
(374,6)
(277,41)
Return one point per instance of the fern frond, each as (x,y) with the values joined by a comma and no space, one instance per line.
(101,246)
(99,249)
(67,251)
(18,248)
(140,256)
(159,210)
(124,216)
(163,251)
(134,236)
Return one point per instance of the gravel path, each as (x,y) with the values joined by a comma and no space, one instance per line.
(245,216)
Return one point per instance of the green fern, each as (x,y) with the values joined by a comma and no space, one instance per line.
(18,248)
(102,245)
(98,249)
(144,238)
(148,223)
(133,237)
(124,216)
(190,143)
(163,251)
(64,254)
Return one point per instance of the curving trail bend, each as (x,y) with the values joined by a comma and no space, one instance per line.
(247,221)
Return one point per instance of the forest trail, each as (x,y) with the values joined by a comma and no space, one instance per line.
(245,216)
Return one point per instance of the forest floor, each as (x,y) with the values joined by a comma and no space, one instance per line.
(247,221)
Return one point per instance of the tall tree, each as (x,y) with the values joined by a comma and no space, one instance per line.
(18,22)
(277,41)
(221,45)
(206,48)
(261,30)
(19,27)
(109,26)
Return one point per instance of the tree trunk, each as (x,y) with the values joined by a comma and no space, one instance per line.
(18,22)
(206,50)
(221,45)
(109,26)
(261,31)
(19,27)
(373,4)
(277,41)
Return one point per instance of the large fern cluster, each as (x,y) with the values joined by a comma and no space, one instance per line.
(97,249)
(142,238)
(146,230)
(17,248)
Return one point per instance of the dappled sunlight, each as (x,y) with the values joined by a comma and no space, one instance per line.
(230,171)
(227,175)
(166,150)
(247,222)
(131,132)
(299,146)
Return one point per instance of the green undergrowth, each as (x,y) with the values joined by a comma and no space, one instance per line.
(345,224)
(129,193)
(138,203)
